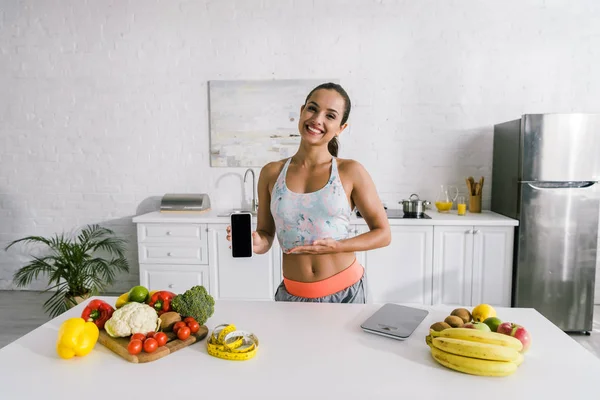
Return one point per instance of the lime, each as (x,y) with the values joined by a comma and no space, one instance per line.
(108,329)
(138,294)
(493,323)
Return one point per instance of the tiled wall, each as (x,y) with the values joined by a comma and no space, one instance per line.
(104,104)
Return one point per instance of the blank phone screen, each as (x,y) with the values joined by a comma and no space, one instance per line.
(241,235)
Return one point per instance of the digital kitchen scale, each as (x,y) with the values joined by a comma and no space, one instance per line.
(394,321)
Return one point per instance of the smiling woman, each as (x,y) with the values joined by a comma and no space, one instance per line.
(311,196)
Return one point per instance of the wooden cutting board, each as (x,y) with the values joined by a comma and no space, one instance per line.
(119,345)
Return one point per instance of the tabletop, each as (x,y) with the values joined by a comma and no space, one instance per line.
(306,350)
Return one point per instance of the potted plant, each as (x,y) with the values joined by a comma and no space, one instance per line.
(77,268)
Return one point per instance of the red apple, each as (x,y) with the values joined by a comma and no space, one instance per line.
(517,331)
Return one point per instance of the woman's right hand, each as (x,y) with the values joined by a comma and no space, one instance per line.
(258,243)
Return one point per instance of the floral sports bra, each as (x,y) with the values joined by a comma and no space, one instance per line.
(302,218)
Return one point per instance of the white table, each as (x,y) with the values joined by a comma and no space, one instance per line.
(312,351)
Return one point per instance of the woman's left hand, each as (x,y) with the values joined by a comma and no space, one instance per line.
(322,246)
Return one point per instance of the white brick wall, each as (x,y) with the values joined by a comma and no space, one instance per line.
(104,104)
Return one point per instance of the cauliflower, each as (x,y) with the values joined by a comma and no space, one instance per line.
(132,318)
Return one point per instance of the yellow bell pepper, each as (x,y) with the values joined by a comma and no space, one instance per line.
(76,337)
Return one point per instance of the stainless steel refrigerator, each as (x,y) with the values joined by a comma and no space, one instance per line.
(545,174)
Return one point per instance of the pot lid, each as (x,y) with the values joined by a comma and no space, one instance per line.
(416,201)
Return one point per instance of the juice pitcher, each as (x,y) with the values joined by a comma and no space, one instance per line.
(446,198)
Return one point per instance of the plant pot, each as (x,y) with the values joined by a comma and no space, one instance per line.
(77,299)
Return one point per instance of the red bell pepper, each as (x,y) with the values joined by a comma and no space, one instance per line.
(98,312)
(161,301)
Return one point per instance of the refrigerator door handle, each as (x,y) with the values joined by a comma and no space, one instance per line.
(560,185)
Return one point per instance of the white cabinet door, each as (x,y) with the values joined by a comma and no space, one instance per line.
(492,265)
(452,265)
(249,278)
(174,278)
(402,271)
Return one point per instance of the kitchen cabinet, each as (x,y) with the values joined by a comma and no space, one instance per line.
(251,278)
(177,256)
(402,271)
(173,277)
(443,260)
(173,256)
(472,265)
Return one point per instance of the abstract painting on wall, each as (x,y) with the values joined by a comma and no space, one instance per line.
(255,122)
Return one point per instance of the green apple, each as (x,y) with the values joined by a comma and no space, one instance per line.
(477,325)
(493,323)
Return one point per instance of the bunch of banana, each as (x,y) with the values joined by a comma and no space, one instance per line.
(475,352)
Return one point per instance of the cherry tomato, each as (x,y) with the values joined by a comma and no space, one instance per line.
(183,333)
(161,338)
(138,336)
(194,326)
(135,346)
(150,334)
(177,326)
(150,345)
(187,320)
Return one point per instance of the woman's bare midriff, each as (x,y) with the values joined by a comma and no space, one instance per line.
(313,268)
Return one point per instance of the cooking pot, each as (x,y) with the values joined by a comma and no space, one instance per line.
(414,206)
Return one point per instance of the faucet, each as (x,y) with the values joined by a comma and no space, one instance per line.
(254,204)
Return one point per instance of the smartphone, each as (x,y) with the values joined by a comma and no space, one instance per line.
(241,235)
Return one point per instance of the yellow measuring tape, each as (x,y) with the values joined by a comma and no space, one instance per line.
(229,343)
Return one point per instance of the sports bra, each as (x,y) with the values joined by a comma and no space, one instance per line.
(301,218)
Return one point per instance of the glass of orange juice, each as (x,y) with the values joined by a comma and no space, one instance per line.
(461,205)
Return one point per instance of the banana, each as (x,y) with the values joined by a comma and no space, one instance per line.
(475,335)
(122,300)
(484,351)
(473,366)
(519,360)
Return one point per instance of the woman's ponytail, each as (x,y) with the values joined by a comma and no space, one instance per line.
(333,146)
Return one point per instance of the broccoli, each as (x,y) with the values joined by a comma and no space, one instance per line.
(196,302)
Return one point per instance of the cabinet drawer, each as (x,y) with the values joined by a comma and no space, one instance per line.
(156,253)
(176,279)
(172,233)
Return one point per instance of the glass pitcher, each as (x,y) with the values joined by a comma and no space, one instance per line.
(446,198)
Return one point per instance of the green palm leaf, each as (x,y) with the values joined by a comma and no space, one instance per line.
(73,268)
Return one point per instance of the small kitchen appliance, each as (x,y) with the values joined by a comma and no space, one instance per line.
(185,202)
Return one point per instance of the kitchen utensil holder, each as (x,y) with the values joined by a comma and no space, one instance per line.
(475,203)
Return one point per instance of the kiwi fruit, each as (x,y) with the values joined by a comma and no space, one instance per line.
(454,321)
(168,319)
(463,314)
(440,326)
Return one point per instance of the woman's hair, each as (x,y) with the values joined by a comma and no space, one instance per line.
(333,145)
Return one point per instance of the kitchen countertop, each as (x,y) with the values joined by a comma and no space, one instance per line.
(307,350)
(485,218)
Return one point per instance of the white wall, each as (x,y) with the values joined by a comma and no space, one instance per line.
(104,105)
